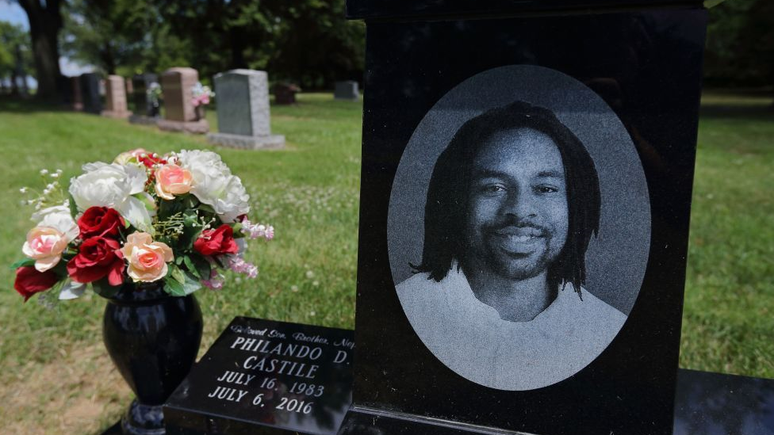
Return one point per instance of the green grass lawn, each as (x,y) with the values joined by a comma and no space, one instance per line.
(57,378)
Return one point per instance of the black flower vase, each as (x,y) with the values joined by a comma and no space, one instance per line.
(153,339)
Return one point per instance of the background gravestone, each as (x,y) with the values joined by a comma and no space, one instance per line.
(243,111)
(129,86)
(179,113)
(346,90)
(285,93)
(115,98)
(144,110)
(90,95)
(77,96)
(643,63)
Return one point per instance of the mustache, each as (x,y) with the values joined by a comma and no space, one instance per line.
(513,225)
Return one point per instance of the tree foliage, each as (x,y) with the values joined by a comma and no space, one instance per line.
(305,41)
(15,54)
(740,43)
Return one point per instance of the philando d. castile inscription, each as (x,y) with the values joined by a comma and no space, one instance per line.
(290,376)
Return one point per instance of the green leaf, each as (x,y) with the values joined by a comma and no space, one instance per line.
(174,287)
(179,260)
(177,274)
(191,267)
(27,262)
(73,207)
(191,284)
(202,266)
(103,288)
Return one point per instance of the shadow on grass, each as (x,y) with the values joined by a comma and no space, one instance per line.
(25,105)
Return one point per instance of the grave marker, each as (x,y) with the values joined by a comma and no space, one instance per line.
(266,377)
(90,95)
(179,113)
(77,96)
(243,111)
(346,90)
(115,98)
(483,311)
(145,111)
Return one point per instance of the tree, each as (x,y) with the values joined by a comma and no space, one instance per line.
(45,17)
(740,44)
(14,55)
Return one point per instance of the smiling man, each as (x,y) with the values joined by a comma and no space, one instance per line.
(512,204)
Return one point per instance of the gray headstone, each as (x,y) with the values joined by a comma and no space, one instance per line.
(92,102)
(243,110)
(346,90)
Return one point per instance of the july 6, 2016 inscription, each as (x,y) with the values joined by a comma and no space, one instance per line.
(281,377)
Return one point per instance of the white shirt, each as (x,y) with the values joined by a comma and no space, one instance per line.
(471,339)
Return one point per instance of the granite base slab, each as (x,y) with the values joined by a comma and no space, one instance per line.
(115,114)
(143,120)
(195,127)
(272,141)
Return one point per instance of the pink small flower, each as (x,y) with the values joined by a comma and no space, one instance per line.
(215,282)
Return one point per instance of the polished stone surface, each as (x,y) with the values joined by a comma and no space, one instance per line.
(646,66)
(140,84)
(264,376)
(718,404)
(90,95)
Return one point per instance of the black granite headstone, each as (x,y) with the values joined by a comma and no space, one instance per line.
(92,101)
(142,104)
(528,169)
(266,377)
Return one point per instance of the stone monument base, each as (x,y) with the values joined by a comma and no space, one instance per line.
(272,141)
(196,127)
(144,120)
(115,114)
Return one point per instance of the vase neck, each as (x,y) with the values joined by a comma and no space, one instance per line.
(139,293)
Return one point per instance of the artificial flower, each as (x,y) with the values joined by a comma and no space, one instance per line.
(113,186)
(147,259)
(214,185)
(30,281)
(100,221)
(98,257)
(217,242)
(46,242)
(172,180)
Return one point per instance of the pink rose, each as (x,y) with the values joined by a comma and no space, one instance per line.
(45,245)
(173,180)
(147,259)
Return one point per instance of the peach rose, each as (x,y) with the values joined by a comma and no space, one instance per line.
(45,245)
(173,180)
(147,259)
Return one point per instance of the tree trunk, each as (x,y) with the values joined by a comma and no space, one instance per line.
(45,24)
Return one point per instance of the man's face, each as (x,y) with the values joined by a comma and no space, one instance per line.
(517,205)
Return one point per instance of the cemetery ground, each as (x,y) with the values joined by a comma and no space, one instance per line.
(57,378)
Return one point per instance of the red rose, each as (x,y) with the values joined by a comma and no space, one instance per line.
(98,257)
(100,221)
(29,281)
(217,242)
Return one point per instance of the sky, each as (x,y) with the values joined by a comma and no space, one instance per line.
(13,13)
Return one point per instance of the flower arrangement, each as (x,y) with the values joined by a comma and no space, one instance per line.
(201,95)
(153,94)
(174,220)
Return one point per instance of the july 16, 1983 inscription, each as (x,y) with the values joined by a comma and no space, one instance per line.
(284,377)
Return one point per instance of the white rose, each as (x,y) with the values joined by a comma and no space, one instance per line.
(214,185)
(58,217)
(113,186)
